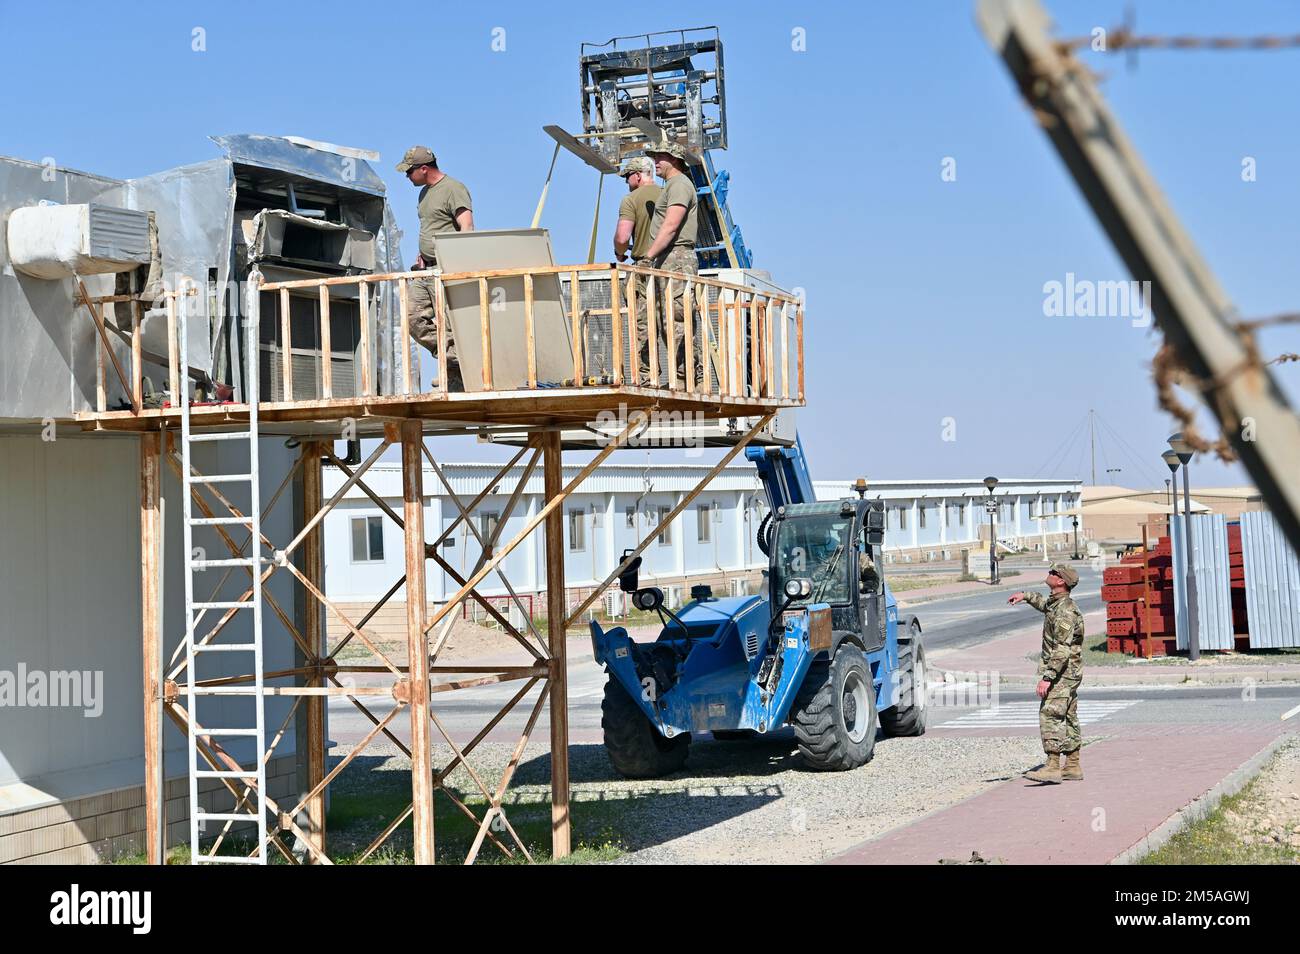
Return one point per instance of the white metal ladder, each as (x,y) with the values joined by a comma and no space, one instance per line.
(195,610)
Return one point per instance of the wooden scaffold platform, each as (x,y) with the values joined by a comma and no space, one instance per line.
(751,344)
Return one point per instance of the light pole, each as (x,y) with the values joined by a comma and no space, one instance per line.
(1076,538)
(992,508)
(1183,451)
(1171,461)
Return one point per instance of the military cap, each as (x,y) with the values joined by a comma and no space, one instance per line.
(641,164)
(667,147)
(1066,572)
(417,156)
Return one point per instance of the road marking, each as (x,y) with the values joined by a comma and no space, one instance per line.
(1289,713)
(1024,715)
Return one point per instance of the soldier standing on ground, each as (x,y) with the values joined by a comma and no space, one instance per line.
(672,248)
(444,206)
(1059,674)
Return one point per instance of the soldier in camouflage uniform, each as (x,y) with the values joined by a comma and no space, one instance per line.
(672,248)
(1059,675)
(444,206)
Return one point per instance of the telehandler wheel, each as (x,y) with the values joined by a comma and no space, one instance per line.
(908,717)
(635,747)
(834,715)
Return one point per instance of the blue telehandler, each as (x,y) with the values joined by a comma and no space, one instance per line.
(824,650)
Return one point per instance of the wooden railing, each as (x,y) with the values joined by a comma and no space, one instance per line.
(748,342)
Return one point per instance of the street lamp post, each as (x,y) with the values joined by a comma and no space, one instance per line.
(1183,451)
(992,508)
(1172,462)
(1076,538)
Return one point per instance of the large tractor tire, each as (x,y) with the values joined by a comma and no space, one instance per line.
(834,715)
(908,717)
(634,745)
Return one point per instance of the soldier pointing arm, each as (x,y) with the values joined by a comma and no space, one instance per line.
(1060,672)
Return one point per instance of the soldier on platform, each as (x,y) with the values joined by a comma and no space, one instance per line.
(672,248)
(444,206)
(1059,674)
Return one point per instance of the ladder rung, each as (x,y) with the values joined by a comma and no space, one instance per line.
(218,521)
(221,436)
(224,690)
(217,478)
(232,604)
(206,731)
(234,561)
(226,648)
(226,816)
(201,858)
(225,773)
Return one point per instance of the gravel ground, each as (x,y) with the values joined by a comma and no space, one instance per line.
(735,802)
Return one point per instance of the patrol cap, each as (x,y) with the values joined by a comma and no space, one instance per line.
(641,164)
(1066,572)
(667,147)
(416,156)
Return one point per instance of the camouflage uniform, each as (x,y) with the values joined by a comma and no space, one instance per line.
(1062,666)
(679,259)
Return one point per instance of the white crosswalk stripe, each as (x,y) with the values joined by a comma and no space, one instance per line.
(1024,715)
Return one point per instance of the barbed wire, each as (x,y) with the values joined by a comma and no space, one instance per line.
(1122,38)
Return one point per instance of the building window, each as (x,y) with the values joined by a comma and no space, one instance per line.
(902,518)
(920,516)
(665,538)
(367,539)
(487,524)
(577,531)
(630,514)
(703,524)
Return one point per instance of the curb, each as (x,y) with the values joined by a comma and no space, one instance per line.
(904,601)
(1178,681)
(1200,808)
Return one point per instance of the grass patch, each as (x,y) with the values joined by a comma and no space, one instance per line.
(1217,839)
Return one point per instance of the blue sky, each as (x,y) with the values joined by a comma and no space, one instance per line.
(924,296)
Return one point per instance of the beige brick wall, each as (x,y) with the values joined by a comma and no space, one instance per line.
(102,828)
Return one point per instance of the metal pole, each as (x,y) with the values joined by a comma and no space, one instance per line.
(993,540)
(1193,641)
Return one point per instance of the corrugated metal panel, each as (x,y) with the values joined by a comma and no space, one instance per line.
(121,235)
(1213,581)
(1272,582)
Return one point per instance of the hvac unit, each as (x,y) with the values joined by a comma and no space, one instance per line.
(672,596)
(305,347)
(614,604)
(738,586)
(516,616)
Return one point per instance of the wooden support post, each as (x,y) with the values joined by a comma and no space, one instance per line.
(556,611)
(616,326)
(363,310)
(326,346)
(155,820)
(313,629)
(137,357)
(798,343)
(574,313)
(530,335)
(417,643)
(404,311)
(173,351)
(286,348)
(485,333)
(785,350)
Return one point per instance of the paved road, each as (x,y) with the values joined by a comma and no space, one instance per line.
(955,621)
(959,621)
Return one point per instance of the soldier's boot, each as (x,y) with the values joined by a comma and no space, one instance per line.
(1048,773)
(1072,771)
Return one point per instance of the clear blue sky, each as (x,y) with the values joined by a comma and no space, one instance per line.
(924,297)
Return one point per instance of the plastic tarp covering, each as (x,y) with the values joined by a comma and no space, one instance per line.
(1213,581)
(1272,582)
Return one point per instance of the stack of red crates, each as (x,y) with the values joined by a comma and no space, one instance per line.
(1139,598)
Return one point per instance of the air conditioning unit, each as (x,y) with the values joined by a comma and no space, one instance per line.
(672,596)
(738,586)
(516,616)
(614,600)
(305,356)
